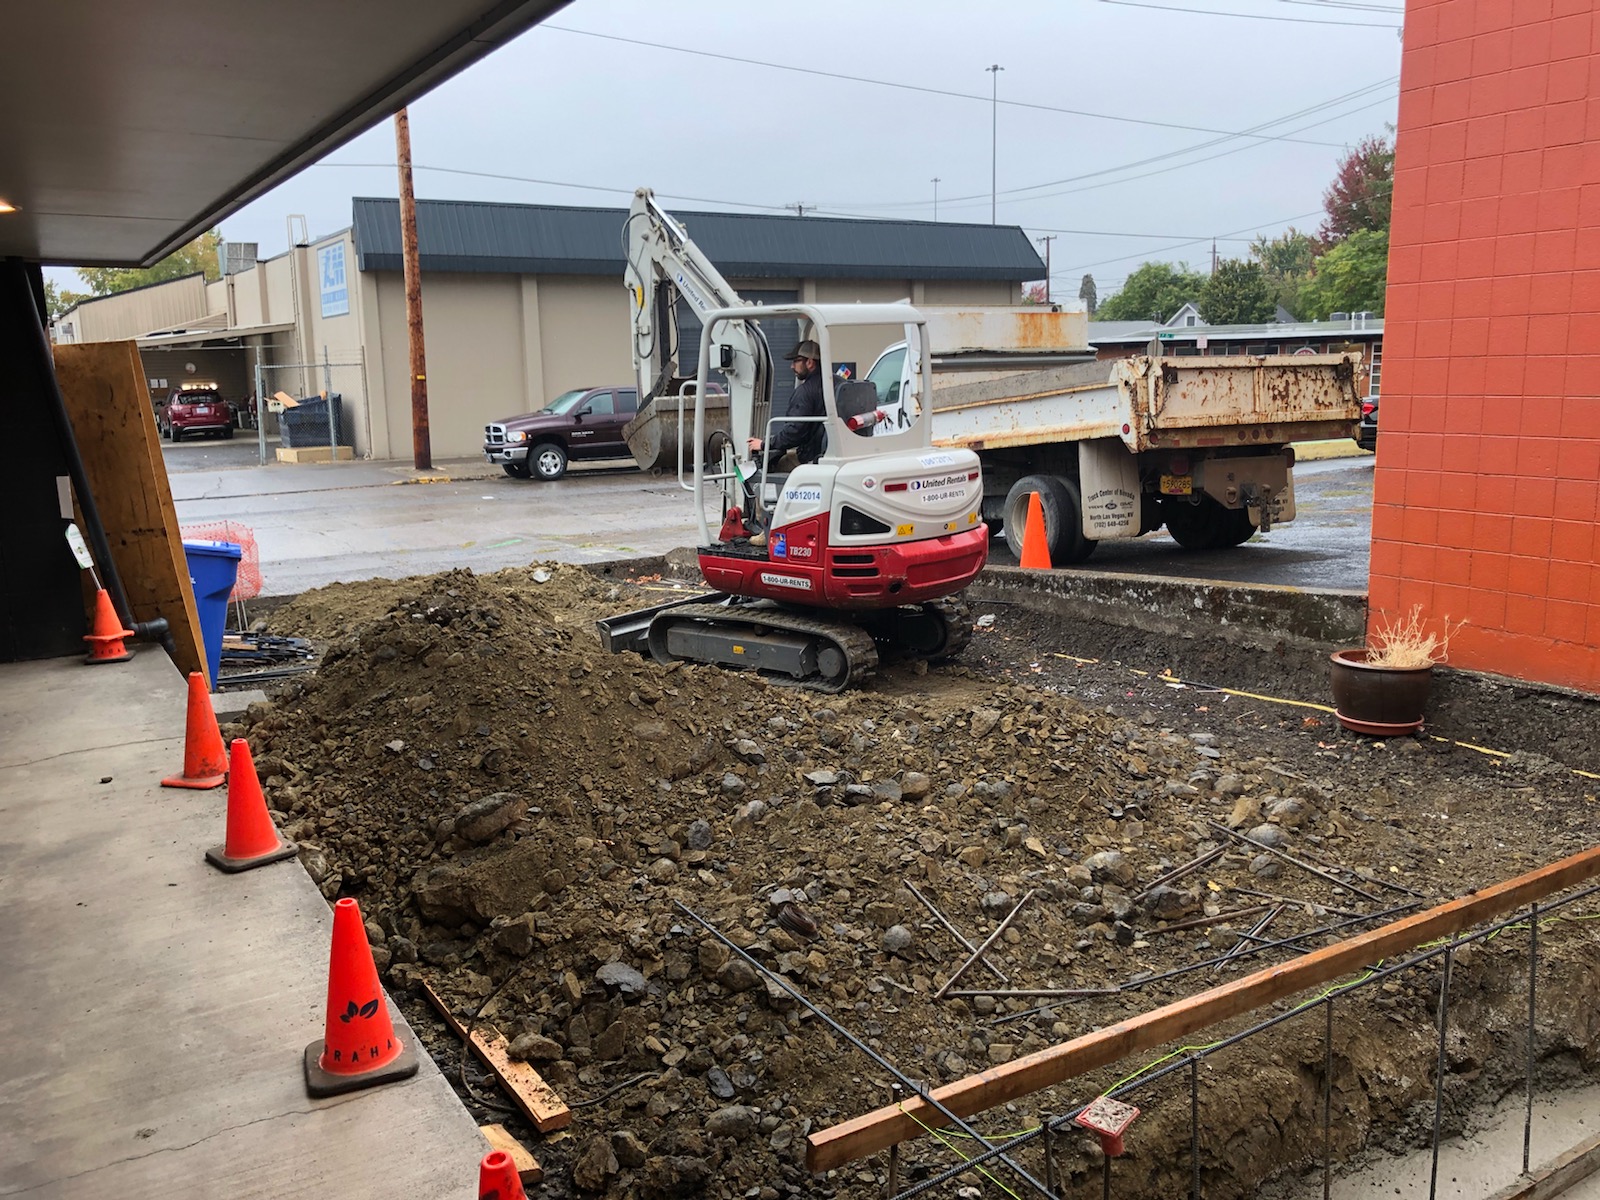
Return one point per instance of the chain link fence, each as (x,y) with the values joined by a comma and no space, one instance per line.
(329,409)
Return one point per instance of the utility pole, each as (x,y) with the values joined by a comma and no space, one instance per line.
(799,209)
(994,137)
(1213,256)
(421,444)
(935,197)
(1046,239)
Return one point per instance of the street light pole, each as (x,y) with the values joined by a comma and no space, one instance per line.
(1047,239)
(994,136)
(935,197)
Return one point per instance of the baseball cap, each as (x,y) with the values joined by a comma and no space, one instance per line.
(806,349)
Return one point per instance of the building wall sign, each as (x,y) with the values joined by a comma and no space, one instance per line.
(334,287)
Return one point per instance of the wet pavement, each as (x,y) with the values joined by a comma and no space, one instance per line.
(317,523)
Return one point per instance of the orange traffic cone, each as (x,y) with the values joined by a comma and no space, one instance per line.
(205,763)
(1035,549)
(105,642)
(252,838)
(360,1047)
(498,1178)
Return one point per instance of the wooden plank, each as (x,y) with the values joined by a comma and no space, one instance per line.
(536,1098)
(303,454)
(874,1131)
(104,388)
(528,1168)
(1572,1168)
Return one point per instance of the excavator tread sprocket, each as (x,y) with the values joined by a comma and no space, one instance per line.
(784,645)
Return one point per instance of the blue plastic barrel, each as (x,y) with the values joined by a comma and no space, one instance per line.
(213,567)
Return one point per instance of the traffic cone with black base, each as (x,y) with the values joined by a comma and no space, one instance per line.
(360,1047)
(205,763)
(498,1178)
(1035,541)
(252,838)
(106,638)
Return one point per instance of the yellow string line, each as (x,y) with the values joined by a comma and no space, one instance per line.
(1170,678)
(950,1145)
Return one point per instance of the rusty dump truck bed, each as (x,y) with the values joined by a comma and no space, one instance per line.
(1150,403)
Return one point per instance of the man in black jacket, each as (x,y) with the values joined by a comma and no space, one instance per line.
(806,438)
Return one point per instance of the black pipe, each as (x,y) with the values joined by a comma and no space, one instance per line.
(69,446)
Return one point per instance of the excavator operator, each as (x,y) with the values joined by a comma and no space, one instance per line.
(806,438)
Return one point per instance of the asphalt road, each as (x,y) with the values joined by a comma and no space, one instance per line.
(319,523)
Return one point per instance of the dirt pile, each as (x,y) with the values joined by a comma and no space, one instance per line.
(520,814)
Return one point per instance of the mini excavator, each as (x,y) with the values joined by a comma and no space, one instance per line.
(821,570)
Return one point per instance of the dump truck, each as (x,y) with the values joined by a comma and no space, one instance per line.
(1118,448)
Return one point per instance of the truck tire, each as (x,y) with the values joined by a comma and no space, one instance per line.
(548,461)
(1063,518)
(1206,525)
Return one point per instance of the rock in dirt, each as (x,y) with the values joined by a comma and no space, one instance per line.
(897,939)
(480,820)
(719,1083)
(629,1150)
(595,1165)
(1269,835)
(534,1048)
(736,1121)
(1110,865)
(668,1177)
(620,977)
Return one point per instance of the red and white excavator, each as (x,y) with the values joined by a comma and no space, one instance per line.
(864,549)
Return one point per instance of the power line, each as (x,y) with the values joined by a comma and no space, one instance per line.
(1213,12)
(1192,241)
(1016,193)
(905,87)
(1353,5)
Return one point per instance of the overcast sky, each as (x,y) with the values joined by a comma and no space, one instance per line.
(692,99)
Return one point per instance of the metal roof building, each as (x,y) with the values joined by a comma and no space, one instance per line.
(540,239)
(522,302)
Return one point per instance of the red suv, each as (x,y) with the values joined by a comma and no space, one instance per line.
(195,410)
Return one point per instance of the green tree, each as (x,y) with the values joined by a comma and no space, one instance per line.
(1153,292)
(1236,294)
(57,301)
(1362,191)
(1351,277)
(1088,294)
(198,255)
(1287,261)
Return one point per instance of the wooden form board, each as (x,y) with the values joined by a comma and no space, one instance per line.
(104,388)
(536,1098)
(528,1168)
(878,1130)
(1571,1169)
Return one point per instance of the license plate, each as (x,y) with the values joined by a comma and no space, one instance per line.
(1177,485)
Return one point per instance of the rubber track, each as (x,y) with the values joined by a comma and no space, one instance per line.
(860,651)
(958,624)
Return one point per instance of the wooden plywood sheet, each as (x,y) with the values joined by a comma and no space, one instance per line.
(104,388)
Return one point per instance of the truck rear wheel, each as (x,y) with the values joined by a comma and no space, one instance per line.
(1063,518)
(1206,525)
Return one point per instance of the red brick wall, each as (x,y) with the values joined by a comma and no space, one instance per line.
(1485,496)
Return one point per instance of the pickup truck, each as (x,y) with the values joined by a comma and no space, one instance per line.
(1120,447)
(585,423)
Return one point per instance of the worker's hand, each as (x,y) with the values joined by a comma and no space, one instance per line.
(754,445)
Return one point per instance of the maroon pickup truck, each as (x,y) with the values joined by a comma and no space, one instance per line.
(582,424)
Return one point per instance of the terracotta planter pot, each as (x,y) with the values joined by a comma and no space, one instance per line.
(1381,701)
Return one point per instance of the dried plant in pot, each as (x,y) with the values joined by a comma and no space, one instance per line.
(1383,688)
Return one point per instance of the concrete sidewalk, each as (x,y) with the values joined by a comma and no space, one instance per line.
(154,1010)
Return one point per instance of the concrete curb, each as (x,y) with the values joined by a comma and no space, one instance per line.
(1247,614)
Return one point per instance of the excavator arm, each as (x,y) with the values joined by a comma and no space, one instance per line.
(662,265)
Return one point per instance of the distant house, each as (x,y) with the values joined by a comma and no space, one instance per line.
(1187,335)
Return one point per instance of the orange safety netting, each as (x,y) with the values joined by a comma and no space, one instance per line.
(247,585)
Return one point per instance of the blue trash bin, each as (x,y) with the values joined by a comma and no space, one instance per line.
(213,567)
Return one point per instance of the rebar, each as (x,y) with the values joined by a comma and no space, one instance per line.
(1202,922)
(1316,904)
(922,1092)
(1180,872)
(1194,1123)
(1298,862)
(1038,993)
(1238,949)
(1533,971)
(987,942)
(950,928)
(1439,1066)
(1327,1100)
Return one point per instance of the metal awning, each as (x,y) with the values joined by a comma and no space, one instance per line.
(200,337)
(128,129)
